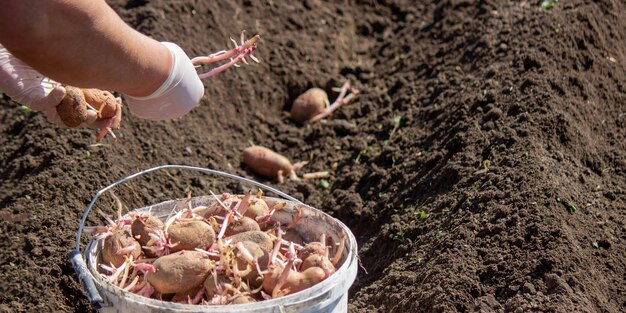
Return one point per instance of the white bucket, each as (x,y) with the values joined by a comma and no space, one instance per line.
(331,295)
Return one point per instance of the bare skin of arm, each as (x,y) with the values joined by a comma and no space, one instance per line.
(83,43)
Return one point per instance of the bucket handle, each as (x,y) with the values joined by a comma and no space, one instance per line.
(76,258)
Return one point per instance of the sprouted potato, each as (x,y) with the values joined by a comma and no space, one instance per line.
(313,105)
(269,163)
(255,263)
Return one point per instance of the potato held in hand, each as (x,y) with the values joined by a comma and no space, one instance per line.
(73,108)
(101,100)
(77,102)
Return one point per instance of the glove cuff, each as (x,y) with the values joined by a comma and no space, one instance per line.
(179,93)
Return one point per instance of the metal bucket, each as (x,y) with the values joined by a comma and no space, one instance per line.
(331,295)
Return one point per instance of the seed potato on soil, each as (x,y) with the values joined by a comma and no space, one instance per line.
(537,93)
(268,163)
(309,104)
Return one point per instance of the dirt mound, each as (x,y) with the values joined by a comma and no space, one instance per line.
(481,168)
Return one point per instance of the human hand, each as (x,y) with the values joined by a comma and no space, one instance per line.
(181,91)
(28,87)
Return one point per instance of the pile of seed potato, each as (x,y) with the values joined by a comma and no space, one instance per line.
(230,252)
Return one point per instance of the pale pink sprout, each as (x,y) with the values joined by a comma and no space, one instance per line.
(188,219)
(106,217)
(295,218)
(219,200)
(146,291)
(277,292)
(144,267)
(245,254)
(171,220)
(97,229)
(140,285)
(132,284)
(339,251)
(140,215)
(276,207)
(244,203)
(197,298)
(199,209)
(250,291)
(272,258)
(126,268)
(115,272)
(101,232)
(218,286)
(292,173)
(107,123)
(159,243)
(126,250)
(265,295)
(292,250)
(207,253)
(240,273)
(295,245)
(235,55)
(248,257)
(316,175)
(230,287)
(224,225)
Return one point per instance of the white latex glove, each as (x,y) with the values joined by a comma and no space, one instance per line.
(180,92)
(28,87)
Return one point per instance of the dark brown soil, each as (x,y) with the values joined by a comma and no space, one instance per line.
(503,109)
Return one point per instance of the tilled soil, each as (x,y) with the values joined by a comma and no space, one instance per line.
(482,168)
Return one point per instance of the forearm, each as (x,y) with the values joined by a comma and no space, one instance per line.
(83,43)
